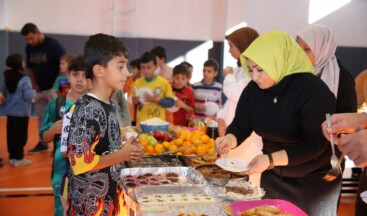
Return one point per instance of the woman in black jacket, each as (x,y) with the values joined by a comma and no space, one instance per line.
(285,103)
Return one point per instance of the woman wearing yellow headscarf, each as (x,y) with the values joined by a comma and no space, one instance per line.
(285,104)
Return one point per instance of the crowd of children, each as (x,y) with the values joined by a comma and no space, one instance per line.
(84,120)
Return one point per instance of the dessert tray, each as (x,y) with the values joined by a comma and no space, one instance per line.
(158,161)
(176,200)
(134,177)
(240,189)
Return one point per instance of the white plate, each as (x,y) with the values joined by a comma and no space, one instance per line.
(173,109)
(232,164)
(211,108)
(141,91)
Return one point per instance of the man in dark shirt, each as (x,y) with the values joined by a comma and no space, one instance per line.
(43,59)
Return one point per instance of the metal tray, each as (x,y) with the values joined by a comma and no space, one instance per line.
(158,161)
(175,209)
(187,175)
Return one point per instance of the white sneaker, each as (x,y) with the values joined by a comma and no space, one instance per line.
(12,161)
(23,162)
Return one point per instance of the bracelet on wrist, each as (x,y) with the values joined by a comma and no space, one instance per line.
(271,161)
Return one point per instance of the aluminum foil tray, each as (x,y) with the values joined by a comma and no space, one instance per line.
(213,208)
(186,175)
(158,161)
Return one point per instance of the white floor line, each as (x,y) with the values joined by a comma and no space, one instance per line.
(25,189)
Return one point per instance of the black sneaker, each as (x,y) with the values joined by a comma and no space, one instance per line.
(40,147)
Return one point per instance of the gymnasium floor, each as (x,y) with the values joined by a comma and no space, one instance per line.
(26,191)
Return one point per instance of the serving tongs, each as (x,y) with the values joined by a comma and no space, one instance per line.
(180,149)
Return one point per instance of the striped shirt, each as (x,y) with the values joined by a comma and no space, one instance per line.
(207,93)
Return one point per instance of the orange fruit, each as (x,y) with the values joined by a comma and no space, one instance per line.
(166,144)
(183,132)
(149,150)
(158,148)
(178,141)
(194,138)
(186,143)
(193,149)
(144,142)
(205,138)
(186,151)
(172,148)
(212,151)
(201,150)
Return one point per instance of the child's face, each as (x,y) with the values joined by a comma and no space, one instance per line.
(209,74)
(135,71)
(147,69)
(63,66)
(78,81)
(180,81)
(116,72)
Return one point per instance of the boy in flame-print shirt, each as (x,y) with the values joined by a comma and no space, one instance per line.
(94,147)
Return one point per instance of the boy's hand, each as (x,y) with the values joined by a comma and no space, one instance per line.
(179,103)
(201,107)
(132,150)
(135,99)
(151,98)
(57,127)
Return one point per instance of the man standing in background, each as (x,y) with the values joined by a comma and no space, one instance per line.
(43,59)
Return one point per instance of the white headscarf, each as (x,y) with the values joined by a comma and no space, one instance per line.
(322,43)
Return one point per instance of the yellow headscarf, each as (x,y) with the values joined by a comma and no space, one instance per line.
(278,55)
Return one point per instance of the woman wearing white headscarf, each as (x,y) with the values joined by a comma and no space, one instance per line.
(318,41)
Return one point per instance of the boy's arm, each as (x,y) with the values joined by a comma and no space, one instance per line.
(47,132)
(167,100)
(131,151)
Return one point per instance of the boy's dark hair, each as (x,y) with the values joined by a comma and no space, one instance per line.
(159,51)
(185,63)
(100,49)
(147,57)
(181,69)
(29,28)
(212,63)
(135,63)
(77,64)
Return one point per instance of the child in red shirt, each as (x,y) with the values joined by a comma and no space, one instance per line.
(184,96)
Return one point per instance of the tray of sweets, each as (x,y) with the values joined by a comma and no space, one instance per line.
(199,160)
(158,161)
(134,177)
(175,200)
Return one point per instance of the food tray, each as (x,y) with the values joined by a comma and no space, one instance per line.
(199,160)
(187,175)
(256,194)
(212,208)
(285,206)
(158,161)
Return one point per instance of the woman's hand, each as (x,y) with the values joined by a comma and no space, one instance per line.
(258,165)
(224,144)
(227,70)
(222,127)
